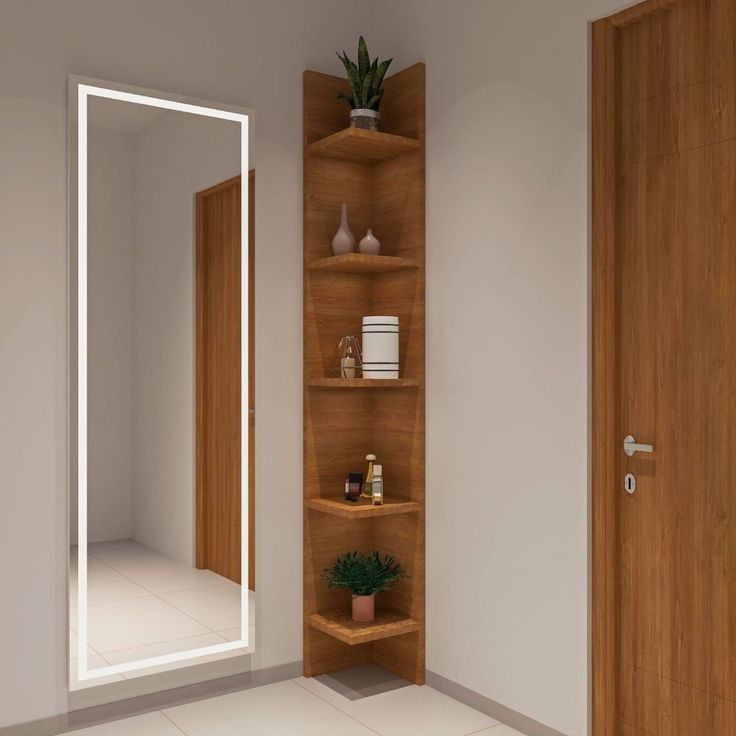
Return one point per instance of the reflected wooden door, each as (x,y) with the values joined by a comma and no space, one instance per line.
(218,436)
(665,370)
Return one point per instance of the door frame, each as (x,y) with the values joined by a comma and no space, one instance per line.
(605,443)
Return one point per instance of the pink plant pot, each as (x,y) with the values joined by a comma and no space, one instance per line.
(363,608)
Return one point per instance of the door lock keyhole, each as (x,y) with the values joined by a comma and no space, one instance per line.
(630,483)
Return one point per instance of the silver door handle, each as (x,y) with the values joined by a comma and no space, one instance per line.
(631,446)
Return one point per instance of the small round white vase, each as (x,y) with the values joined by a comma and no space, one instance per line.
(370,244)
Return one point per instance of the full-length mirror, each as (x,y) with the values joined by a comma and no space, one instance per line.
(161,574)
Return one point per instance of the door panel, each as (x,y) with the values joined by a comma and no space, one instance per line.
(672,544)
(218,379)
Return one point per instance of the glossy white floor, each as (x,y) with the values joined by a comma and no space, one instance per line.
(143,604)
(306,707)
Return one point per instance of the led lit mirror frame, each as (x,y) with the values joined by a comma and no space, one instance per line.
(83,89)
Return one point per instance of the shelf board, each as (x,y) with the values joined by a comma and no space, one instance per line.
(340,625)
(363,509)
(363,382)
(362,263)
(365,146)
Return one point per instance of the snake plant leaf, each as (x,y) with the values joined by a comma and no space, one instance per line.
(349,98)
(380,74)
(353,77)
(374,101)
(368,83)
(364,61)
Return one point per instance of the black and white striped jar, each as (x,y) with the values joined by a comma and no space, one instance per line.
(380,347)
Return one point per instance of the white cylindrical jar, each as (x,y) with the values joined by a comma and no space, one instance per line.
(380,347)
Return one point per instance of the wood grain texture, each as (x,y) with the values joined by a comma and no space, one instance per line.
(218,390)
(368,146)
(664,224)
(340,625)
(362,508)
(344,422)
(603,380)
(362,263)
(361,383)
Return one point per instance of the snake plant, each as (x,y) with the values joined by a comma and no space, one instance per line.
(365,79)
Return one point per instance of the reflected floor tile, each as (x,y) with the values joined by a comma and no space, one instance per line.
(150,724)
(216,606)
(138,622)
(94,661)
(123,551)
(406,711)
(165,576)
(105,584)
(168,647)
(282,709)
(74,644)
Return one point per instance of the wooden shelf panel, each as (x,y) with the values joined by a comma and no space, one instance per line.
(365,146)
(363,382)
(363,509)
(362,263)
(340,625)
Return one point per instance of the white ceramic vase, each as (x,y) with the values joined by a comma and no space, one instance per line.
(343,242)
(370,244)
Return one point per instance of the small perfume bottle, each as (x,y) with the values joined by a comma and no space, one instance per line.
(377,485)
(367,492)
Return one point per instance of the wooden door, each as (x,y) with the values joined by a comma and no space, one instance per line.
(218,433)
(664,370)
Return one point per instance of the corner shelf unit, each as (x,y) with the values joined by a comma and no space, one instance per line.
(380,176)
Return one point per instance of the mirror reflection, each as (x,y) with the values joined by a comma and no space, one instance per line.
(167,489)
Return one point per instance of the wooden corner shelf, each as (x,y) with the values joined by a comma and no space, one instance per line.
(380,176)
(365,146)
(362,263)
(363,382)
(363,509)
(340,625)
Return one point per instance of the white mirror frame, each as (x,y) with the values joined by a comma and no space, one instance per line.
(92,88)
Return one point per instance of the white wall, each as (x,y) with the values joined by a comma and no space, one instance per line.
(507,344)
(248,53)
(110,364)
(174,157)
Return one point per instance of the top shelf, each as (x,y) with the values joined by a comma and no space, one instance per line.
(365,146)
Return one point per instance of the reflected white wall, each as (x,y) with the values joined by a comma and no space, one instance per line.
(173,157)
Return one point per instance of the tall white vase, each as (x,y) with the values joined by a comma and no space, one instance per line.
(343,242)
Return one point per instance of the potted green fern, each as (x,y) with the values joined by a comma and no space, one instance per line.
(365,79)
(364,576)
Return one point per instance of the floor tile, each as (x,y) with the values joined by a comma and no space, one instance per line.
(105,584)
(501,730)
(216,606)
(281,709)
(165,576)
(407,711)
(94,661)
(150,724)
(137,622)
(122,551)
